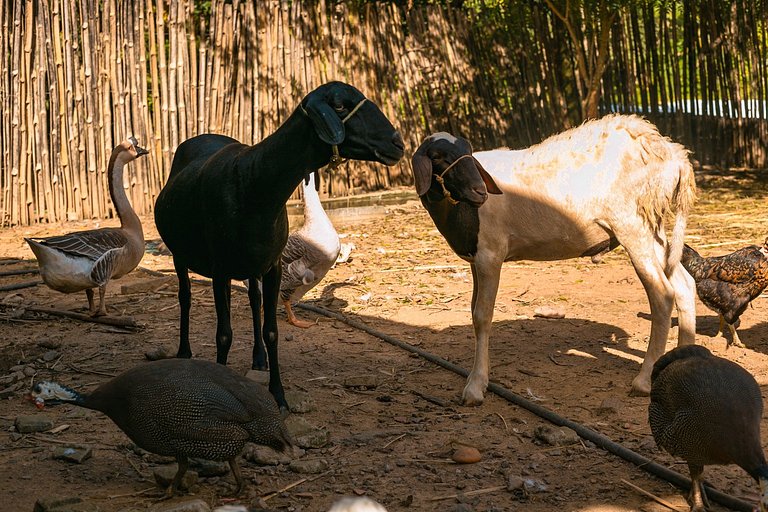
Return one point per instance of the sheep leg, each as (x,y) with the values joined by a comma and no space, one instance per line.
(221,296)
(660,297)
(185,304)
(685,302)
(485,285)
(259,361)
(271,292)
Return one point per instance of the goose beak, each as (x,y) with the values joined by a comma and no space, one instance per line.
(140,151)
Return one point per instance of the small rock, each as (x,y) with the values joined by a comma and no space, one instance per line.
(50,356)
(533,486)
(315,439)
(184,505)
(52,504)
(515,483)
(30,371)
(260,376)
(548,312)
(17,368)
(76,454)
(466,455)
(48,343)
(361,381)
(11,389)
(289,337)
(208,468)
(36,423)
(556,436)
(611,405)
(299,402)
(164,476)
(265,456)
(311,467)
(158,353)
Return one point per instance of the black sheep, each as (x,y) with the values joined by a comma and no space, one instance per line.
(222,212)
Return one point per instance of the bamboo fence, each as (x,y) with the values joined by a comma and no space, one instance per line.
(77,77)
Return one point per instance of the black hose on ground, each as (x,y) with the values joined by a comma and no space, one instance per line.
(597,438)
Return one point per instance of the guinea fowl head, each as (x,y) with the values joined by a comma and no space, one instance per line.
(53,392)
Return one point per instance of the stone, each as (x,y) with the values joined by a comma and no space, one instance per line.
(611,405)
(158,353)
(209,468)
(260,376)
(299,402)
(556,436)
(305,434)
(76,454)
(164,476)
(548,312)
(466,455)
(54,504)
(35,423)
(50,356)
(361,381)
(30,371)
(265,456)
(182,505)
(308,467)
(72,504)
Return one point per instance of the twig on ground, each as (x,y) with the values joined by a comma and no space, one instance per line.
(395,439)
(470,493)
(558,363)
(294,484)
(137,493)
(506,427)
(119,321)
(94,372)
(653,497)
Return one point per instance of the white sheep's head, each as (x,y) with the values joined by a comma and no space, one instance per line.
(444,163)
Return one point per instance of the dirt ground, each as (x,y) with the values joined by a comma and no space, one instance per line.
(393,440)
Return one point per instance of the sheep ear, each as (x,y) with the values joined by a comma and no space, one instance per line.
(327,124)
(422,172)
(490,185)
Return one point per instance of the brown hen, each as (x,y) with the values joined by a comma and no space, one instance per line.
(727,284)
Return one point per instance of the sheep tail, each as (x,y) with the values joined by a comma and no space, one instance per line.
(683,198)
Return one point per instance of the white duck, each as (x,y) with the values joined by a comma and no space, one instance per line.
(309,253)
(89,259)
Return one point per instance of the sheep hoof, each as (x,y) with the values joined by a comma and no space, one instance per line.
(472,397)
(640,387)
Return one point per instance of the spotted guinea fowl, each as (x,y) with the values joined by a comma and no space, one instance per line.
(727,284)
(84,260)
(707,410)
(309,253)
(183,408)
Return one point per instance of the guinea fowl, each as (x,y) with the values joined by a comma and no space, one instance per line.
(183,408)
(727,284)
(707,410)
(84,260)
(309,253)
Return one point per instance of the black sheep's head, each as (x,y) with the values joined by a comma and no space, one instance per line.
(444,157)
(344,117)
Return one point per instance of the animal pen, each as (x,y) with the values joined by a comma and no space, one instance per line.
(77,77)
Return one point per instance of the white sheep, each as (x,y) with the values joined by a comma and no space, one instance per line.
(579,193)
